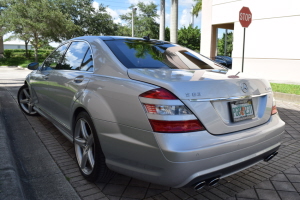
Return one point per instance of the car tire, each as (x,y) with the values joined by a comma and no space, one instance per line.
(24,101)
(89,155)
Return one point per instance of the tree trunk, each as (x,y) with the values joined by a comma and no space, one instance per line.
(36,49)
(1,47)
(36,56)
(174,21)
(162,20)
(26,48)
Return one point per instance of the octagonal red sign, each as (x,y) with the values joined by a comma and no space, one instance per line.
(245,17)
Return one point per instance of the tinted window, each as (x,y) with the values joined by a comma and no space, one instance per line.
(156,54)
(54,59)
(87,64)
(74,56)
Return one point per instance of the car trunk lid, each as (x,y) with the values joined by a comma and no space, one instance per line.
(208,94)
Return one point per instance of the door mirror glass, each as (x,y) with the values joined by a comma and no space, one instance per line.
(33,66)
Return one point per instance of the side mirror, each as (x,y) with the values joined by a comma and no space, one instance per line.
(33,66)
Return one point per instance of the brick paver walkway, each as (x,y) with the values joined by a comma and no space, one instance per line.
(277,179)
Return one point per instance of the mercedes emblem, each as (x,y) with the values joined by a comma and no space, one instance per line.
(244,87)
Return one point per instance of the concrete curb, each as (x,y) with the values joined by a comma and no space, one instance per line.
(22,68)
(10,183)
(287,97)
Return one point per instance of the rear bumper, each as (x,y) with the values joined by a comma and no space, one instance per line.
(183,159)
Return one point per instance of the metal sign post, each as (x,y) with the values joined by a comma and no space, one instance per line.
(245,17)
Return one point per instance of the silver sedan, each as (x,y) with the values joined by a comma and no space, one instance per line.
(153,110)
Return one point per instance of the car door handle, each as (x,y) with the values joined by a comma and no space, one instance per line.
(79,79)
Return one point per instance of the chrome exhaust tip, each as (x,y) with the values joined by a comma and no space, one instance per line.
(200,185)
(213,182)
(269,157)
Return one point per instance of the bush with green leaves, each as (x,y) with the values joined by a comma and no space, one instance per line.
(189,37)
(8,53)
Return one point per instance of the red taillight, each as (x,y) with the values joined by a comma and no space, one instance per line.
(159,93)
(167,116)
(176,126)
(274,110)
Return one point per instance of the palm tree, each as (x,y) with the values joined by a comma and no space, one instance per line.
(174,21)
(162,20)
(197,8)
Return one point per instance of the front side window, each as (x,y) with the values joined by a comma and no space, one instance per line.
(74,56)
(157,54)
(54,59)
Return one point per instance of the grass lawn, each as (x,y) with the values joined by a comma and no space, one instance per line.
(17,61)
(286,88)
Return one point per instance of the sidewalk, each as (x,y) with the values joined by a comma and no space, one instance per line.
(27,171)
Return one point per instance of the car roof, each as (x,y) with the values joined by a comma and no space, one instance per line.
(106,38)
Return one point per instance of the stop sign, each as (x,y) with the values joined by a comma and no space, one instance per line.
(245,17)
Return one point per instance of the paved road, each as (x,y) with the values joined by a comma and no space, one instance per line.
(47,169)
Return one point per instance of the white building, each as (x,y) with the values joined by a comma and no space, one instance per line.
(16,44)
(272,45)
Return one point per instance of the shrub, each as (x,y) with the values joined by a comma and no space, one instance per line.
(8,53)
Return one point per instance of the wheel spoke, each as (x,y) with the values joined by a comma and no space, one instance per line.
(81,142)
(91,158)
(24,101)
(84,160)
(83,129)
(30,108)
(90,140)
(26,94)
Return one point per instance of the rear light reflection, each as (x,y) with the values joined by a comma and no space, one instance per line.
(274,110)
(159,93)
(176,126)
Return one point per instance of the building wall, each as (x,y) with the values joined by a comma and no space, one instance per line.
(272,45)
(15,46)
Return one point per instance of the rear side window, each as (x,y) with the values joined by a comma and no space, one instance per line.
(87,64)
(74,56)
(54,59)
(157,54)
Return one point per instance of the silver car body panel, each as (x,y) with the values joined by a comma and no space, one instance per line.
(111,97)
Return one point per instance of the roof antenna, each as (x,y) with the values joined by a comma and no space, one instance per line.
(147,38)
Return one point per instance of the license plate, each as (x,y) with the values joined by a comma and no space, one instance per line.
(241,110)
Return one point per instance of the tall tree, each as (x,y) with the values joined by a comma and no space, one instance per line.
(91,20)
(197,8)
(144,20)
(41,19)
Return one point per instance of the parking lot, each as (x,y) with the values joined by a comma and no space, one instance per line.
(47,168)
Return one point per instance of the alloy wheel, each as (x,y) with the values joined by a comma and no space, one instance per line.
(84,146)
(25,102)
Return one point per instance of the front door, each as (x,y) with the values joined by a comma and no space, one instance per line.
(68,81)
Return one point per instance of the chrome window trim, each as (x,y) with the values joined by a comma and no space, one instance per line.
(230,98)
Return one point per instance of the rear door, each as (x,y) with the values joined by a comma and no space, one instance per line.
(68,81)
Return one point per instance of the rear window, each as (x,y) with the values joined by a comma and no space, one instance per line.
(157,54)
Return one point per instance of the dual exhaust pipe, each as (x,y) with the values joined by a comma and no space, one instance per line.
(210,182)
(269,157)
(214,181)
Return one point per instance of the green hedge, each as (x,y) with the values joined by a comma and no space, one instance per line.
(21,53)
